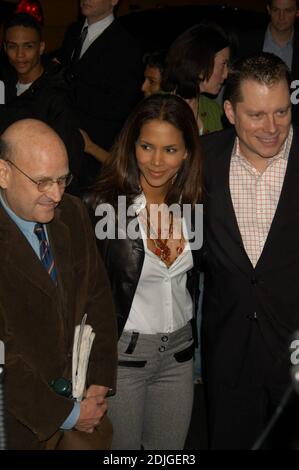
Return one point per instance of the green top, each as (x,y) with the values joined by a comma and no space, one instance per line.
(210,113)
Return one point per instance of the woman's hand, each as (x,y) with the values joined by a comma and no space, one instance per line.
(93,149)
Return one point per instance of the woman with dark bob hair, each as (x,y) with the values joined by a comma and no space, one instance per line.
(196,67)
(150,250)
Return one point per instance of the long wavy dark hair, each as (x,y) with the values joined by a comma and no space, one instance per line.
(122,177)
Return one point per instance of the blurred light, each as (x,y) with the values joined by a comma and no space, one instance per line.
(31,7)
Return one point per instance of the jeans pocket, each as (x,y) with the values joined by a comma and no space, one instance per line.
(132,363)
(185,355)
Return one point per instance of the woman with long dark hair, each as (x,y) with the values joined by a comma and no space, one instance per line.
(149,236)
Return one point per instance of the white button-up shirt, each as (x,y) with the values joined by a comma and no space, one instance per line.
(255,196)
(162,302)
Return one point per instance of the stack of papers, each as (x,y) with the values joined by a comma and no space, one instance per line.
(83,339)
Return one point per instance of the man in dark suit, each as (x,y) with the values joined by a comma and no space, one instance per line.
(51,275)
(105,72)
(251,301)
(281,39)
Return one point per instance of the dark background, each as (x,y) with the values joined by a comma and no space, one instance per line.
(155,22)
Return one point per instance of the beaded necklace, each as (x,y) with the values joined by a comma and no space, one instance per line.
(162,249)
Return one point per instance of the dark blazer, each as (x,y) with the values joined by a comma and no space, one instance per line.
(37,321)
(124,260)
(236,292)
(105,82)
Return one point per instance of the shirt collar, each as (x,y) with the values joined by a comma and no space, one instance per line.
(139,203)
(270,38)
(97,28)
(24,225)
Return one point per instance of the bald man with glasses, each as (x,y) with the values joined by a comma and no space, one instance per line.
(51,275)
(45,184)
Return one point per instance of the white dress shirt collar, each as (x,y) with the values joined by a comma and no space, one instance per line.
(95,30)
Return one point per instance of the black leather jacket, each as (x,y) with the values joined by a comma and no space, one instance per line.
(124,260)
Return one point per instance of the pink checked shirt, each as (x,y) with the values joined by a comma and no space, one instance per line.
(255,196)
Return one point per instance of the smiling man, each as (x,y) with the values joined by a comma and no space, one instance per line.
(26,182)
(50,276)
(251,298)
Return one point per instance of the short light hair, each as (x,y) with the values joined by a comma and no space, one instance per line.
(265,68)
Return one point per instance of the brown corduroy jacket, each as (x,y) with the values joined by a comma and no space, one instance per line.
(37,321)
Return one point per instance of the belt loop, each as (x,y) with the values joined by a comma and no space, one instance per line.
(133,342)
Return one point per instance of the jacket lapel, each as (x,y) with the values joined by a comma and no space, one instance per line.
(225,210)
(287,207)
(98,46)
(60,239)
(17,255)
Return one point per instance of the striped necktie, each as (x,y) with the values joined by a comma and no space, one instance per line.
(45,252)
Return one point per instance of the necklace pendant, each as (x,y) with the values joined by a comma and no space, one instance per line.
(158,252)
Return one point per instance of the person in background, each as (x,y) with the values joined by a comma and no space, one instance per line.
(196,66)
(104,70)
(51,275)
(280,37)
(91,148)
(35,88)
(154,65)
(185,62)
(154,277)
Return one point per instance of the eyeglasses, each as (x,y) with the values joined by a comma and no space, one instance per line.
(47,183)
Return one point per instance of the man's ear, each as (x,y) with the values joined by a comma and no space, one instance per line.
(42,47)
(269,10)
(229,111)
(4,174)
